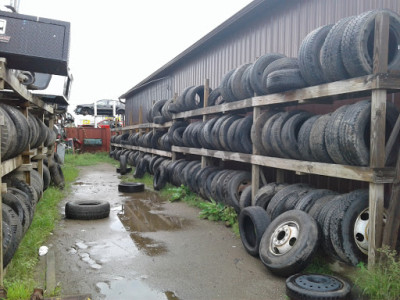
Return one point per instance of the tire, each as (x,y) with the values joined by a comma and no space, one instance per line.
(223,131)
(349,225)
(307,201)
(236,84)
(247,89)
(285,80)
(7,240)
(332,136)
(19,208)
(226,92)
(244,134)
(177,137)
(304,139)
(245,198)
(235,187)
(257,70)
(8,132)
(289,243)
(265,194)
(309,55)
(194,138)
(22,128)
(34,131)
(206,189)
(174,126)
(317,286)
(253,221)
(194,98)
(331,52)
(319,205)
(11,219)
(206,133)
(215,132)
(130,187)
(256,130)
(213,96)
(27,190)
(357,43)
(87,210)
(201,179)
(123,164)
(354,133)
(266,134)
(276,132)
(46,177)
(156,108)
(160,178)
(22,196)
(231,143)
(317,139)
(57,176)
(284,63)
(290,134)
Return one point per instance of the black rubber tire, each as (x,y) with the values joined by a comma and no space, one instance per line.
(317,287)
(194,138)
(266,134)
(215,132)
(304,139)
(279,64)
(231,143)
(247,89)
(245,198)
(309,55)
(285,80)
(87,210)
(194,98)
(342,226)
(244,134)
(185,171)
(123,163)
(206,133)
(177,137)
(34,131)
(57,176)
(290,134)
(160,178)
(174,126)
(257,70)
(276,205)
(22,128)
(307,201)
(332,136)
(236,84)
(130,187)
(214,185)
(20,208)
(357,43)
(354,133)
(226,91)
(201,179)
(46,177)
(253,221)
(276,133)
(213,96)
(24,197)
(234,188)
(265,194)
(319,205)
(256,130)
(317,139)
(302,249)
(12,220)
(8,132)
(206,189)
(331,52)
(223,131)
(156,108)
(7,239)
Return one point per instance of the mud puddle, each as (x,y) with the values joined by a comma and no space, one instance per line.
(142,213)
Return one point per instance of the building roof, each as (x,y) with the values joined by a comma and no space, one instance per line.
(225,28)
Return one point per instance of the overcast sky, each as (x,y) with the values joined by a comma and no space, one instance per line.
(116,44)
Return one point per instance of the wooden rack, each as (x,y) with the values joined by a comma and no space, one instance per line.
(12,92)
(376,85)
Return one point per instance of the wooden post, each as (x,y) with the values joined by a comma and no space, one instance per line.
(391,231)
(377,143)
(255,169)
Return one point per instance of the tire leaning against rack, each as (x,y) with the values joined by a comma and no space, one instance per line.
(285,80)
(283,63)
(223,131)
(309,55)
(87,209)
(358,43)
(256,130)
(8,133)
(244,134)
(46,177)
(195,97)
(20,208)
(226,91)
(234,188)
(15,230)
(253,221)
(213,96)
(160,178)
(236,84)
(245,198)
(57,176)
(34,131)
(289,243)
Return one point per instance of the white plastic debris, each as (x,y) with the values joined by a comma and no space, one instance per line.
(43,250)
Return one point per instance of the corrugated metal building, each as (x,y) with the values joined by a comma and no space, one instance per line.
(263,26)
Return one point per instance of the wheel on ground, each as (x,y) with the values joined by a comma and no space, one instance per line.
(87,210)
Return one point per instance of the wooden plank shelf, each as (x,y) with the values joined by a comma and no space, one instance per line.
(8,79)
(148,150)
(143,126)
(366,174)
(10,165)
(311,94)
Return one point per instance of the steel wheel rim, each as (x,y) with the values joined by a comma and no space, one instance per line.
(284,238)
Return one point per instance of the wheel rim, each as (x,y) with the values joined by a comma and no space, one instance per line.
(284,238)
(361,230)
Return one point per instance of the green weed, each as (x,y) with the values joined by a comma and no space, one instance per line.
(383,280)
(88,159)
(147,179)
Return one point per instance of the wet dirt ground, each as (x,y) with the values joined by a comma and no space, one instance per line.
(152,249)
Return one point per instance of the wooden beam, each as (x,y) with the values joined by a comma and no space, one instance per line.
(377,137)
(255,169)
(392,139)
(10,165)
(391,231)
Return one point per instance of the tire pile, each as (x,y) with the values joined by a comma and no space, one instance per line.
(157,140)
(289,223)
(19,204)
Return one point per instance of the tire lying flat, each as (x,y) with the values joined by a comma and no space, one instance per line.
(87,210)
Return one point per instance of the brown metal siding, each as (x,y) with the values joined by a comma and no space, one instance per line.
(280,28)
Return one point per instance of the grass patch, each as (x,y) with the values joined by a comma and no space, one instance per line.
(19,280)
(147,179)
(382,281)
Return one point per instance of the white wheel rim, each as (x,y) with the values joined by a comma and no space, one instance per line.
(284,238)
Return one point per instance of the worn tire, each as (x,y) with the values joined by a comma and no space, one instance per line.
(285,80)
(256,130)
(245,198)
(281,250)
(317,139)
(253,221)
(87,209)
(57,176)
(303,140)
